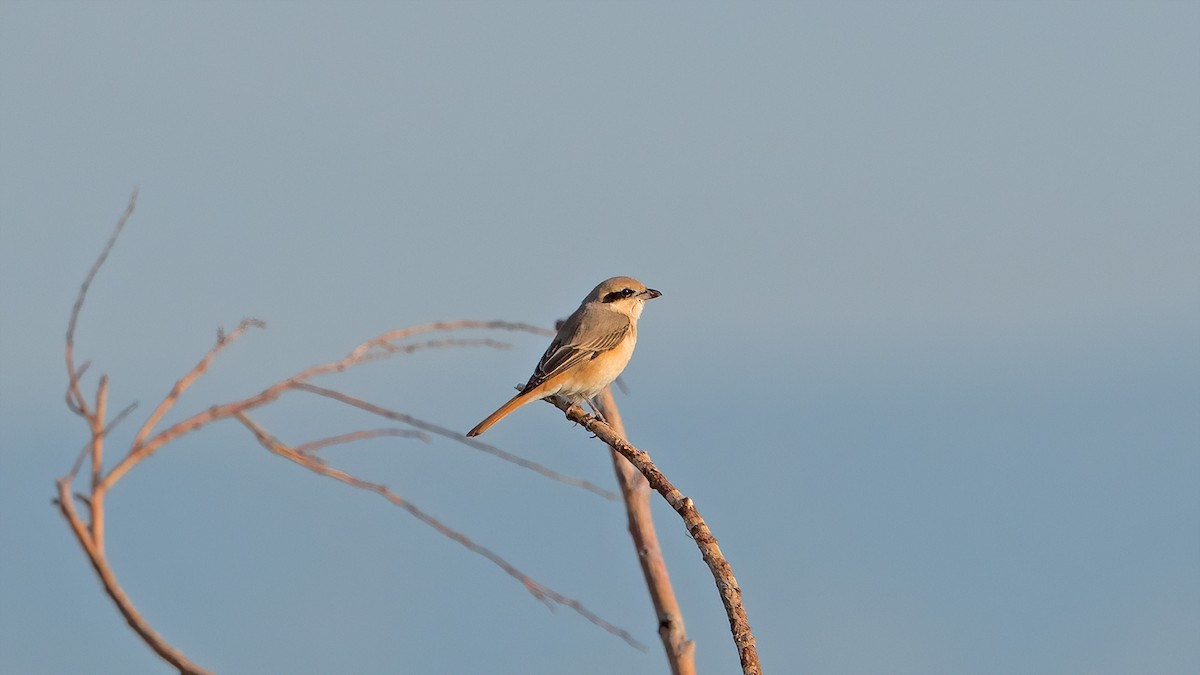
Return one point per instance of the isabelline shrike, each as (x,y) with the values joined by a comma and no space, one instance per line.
(591,349)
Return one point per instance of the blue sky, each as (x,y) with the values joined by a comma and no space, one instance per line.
(926,356)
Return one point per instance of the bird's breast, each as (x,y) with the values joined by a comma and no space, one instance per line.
(593,375)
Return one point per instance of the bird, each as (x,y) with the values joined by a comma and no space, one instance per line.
(591,348)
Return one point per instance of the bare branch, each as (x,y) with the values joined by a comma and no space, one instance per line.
(74,396)
(542,593)
(87,447)
(72,387)
(139,625)
(727,586)
(97,424)
(313,446)
(192,375)
(681,652)
(367,351)
(458,438)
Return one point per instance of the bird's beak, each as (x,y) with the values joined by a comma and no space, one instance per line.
(650,293)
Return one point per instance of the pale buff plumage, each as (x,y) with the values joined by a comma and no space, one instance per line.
(591,349)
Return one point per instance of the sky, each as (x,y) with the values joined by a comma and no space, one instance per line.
(926,357)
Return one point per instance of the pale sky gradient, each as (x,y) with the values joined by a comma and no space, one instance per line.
(928,354)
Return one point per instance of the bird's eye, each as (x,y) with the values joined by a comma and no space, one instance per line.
(618,295)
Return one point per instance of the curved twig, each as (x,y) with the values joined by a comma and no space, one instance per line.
(108,579)
(681,652)
(542,593)
(727,586)
(364,352)
(75,400)
(458,437)
(341,439)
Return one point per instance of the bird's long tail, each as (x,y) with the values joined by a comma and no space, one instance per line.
(513,403)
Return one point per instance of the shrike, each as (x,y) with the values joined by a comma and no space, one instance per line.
(590,351)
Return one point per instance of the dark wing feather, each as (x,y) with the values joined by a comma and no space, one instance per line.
(570,348)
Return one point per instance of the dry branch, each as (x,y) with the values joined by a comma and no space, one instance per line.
(341,439)
(86,451)
(727,586)
(90,535)
(681,652)
(143,447)
(109,580)
(542,593)
(75,400)
(457,437)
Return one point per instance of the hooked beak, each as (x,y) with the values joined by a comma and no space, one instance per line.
(650,293)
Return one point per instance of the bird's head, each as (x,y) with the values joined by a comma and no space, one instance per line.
(622,294)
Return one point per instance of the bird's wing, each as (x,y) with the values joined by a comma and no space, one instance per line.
(579,340)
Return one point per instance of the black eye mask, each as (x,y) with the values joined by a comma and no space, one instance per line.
(617,295)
